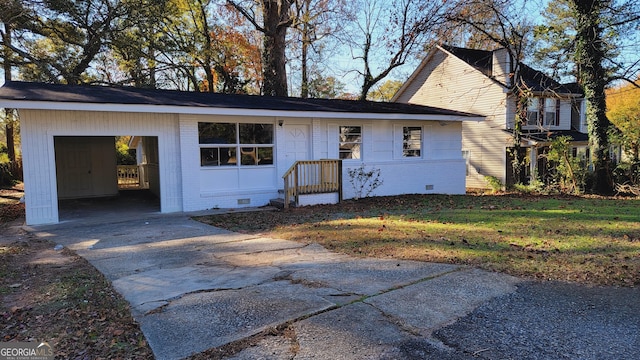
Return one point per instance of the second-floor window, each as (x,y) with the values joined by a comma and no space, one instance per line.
(543,112)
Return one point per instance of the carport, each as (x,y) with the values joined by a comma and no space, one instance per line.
(70,166)
(91,183)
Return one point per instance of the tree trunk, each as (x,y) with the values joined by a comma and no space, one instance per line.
(518,161)
(305,48)
(207,66)
(276,21)
(9,118)
(590,55)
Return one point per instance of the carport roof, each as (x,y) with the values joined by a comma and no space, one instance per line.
(27,94)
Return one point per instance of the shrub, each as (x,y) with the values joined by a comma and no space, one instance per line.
(494,183)
(363,181)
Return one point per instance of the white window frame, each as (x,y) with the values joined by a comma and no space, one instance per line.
(551,111)
(350,147)
(533,109)
(543,111)
(237,149)
(408,142)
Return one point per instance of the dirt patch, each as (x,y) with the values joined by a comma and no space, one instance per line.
(56,296)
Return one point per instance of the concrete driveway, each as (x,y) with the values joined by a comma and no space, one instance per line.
(193,287)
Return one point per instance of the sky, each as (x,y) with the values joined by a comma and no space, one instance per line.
(342,66)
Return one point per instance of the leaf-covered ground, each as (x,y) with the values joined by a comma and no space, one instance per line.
(590,240)
(57,297)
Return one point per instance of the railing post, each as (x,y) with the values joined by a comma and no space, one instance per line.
(340,180)
(295,184)
(287,197)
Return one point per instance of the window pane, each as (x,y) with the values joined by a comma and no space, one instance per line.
(350,134)
(249,156)
(217,156)
(216,133)
(209,157)
(256,133)
(549,104)
(532,118)
(228,156)
(265,156)
(350,142)
(349,151)
(411,141)
(550,118)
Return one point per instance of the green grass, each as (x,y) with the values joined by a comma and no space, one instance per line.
(584,239)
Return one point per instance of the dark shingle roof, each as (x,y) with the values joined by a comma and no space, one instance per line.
(550,135)
(482,60)
(28,91)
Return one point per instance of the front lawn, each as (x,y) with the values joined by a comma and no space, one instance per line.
(584,239)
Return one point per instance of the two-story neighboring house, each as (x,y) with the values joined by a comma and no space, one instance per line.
(480,82)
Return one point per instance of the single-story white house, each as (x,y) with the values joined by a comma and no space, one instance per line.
(206,150)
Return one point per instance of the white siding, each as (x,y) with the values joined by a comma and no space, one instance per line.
(440,169)
(186,186)
(39,127)
(441,166)
(450,83)
(225,187)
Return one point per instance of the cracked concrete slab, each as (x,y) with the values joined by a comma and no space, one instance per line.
(429,305)
(366,276)
(193,287)
(149,290)
(360,331)
(200,321)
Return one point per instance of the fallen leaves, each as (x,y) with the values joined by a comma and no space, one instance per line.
(74,307)
(544,237)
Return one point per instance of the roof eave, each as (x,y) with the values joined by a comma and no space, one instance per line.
(194,110)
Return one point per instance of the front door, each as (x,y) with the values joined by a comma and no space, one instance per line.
(297,142)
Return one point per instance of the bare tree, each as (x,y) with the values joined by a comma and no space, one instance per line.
(502,23)
(317,21)
(272,18)
(386,34)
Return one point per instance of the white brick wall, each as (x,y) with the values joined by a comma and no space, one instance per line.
(186,186)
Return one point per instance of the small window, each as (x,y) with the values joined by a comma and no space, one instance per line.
(551,112)
(466,155)
(533,111)
(411,141)
(350,142)
(233,144)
